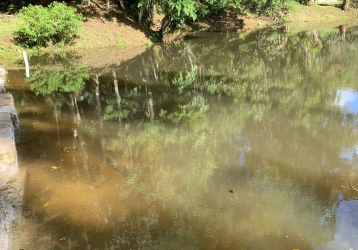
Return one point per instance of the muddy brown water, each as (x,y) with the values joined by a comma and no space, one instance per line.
(218,142)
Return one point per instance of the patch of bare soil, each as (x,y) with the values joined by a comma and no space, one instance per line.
(111,32)
(239,22)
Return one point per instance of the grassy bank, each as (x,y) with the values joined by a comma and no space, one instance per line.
(119,37)
(122,38)
(318,13)
(9,52)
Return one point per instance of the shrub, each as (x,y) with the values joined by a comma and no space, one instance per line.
(261,6)
(42,26)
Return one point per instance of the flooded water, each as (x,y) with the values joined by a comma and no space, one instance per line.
(222,141)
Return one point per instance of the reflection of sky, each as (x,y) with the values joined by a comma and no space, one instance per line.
(346,236)
(347,99)
(347,155)
(243,149)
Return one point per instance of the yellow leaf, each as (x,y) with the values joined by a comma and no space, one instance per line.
(46,204)
(54,167)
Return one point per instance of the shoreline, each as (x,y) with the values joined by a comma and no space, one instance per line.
(129,38)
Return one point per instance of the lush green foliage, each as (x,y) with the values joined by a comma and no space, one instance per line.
(54,24)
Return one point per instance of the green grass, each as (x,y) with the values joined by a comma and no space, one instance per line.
(9,52)
(294,6)
(121,45)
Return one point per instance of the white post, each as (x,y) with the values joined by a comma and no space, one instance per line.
(26,64)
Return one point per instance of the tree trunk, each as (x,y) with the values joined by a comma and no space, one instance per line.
(345,5)
(165,23)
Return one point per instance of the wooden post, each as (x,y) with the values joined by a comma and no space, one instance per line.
(26,64)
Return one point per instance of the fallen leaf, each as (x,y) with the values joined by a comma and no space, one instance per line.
(9,181)
(46,204)
(54,167)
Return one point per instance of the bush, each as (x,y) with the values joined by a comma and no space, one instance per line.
(42,26)
(261,6)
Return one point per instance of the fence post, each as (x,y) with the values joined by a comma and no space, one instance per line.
(26,64)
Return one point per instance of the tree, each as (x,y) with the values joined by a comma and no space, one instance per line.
(345,5)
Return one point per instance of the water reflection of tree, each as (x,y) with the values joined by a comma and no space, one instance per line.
(289,91)
(63,74)
(282,177)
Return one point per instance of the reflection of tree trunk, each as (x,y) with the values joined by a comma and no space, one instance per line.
(72,103)
(115,83)
(190,54)
(317,42)
(153,68)
(342,31)
(98,101)
(77,140)
(231,62)
(101,176)
(262,54)
(58,137)
(345,5)
(307,55)
(145,68)
(155,64)
(150,110)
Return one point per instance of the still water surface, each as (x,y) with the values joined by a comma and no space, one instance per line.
(222,141)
